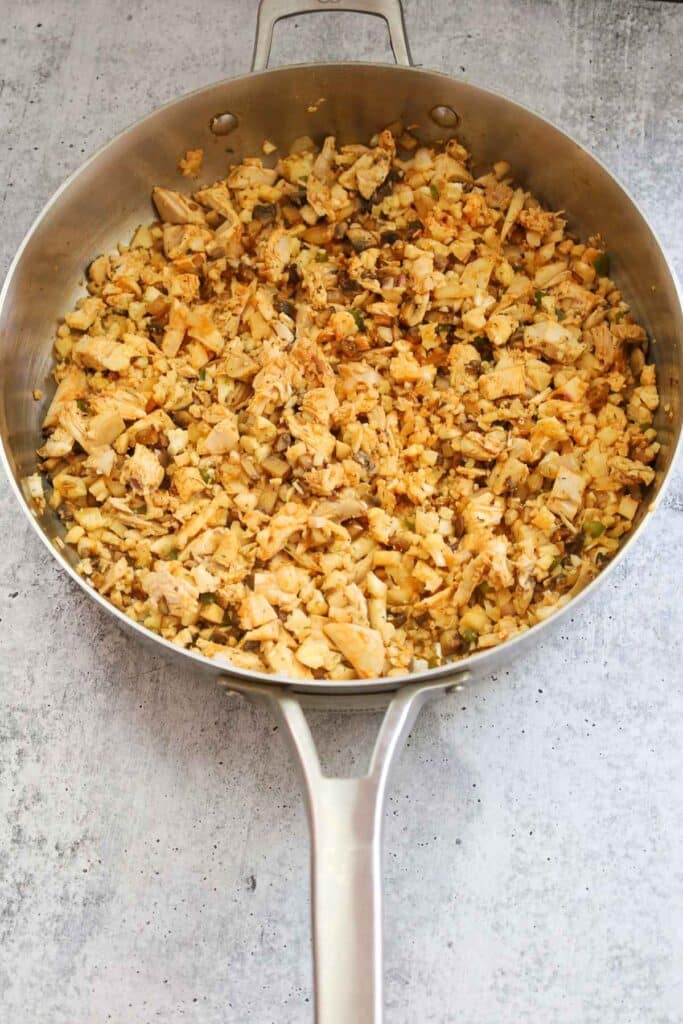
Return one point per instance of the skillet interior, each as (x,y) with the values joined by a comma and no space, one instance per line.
(104,201)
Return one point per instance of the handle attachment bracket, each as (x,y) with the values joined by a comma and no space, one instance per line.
(272,11)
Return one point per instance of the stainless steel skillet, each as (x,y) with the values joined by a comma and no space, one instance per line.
(110,195)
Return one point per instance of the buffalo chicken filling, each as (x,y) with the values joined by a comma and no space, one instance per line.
(354,415)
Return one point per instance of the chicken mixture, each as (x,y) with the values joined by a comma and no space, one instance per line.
(350,416)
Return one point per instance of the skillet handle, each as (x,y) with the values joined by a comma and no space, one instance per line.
(345,818)
(272,11)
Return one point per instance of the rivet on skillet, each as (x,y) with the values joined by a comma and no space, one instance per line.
(223,124)
(444,116)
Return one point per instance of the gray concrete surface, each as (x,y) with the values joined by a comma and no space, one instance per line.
(153,850)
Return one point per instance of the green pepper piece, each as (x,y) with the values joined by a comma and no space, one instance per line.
(601,264)
(358,316)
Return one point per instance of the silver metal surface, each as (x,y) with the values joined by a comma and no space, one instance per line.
(272,11)
(104,201)
(345,820)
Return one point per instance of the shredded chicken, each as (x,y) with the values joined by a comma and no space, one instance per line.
(350,415)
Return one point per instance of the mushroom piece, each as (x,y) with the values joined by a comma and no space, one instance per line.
(361,239)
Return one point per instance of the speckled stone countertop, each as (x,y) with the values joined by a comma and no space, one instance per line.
(153,846)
